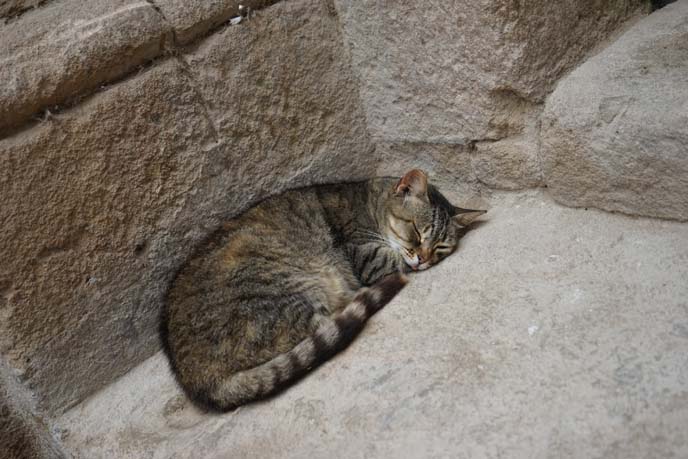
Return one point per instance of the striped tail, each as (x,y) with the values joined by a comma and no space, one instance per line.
(332,335)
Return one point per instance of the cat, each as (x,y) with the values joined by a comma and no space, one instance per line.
(289,283)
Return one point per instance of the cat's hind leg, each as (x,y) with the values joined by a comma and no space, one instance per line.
(331,335)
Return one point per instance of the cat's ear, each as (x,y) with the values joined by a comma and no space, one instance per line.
(414,183)
(465,217)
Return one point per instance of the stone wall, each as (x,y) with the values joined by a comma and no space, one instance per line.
(472,74)
(448,72)
(104,199)
(130,129)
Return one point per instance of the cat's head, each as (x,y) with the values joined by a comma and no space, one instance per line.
(420,223)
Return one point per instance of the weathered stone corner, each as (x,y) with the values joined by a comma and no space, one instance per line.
(615,131)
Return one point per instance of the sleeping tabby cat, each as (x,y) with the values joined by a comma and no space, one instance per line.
(290,282)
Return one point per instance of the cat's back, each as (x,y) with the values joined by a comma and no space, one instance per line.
(279,232)
(300,217)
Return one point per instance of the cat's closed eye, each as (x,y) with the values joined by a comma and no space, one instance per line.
(443,248)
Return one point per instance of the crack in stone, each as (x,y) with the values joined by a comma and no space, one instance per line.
(205,106)
(174,50)
(173,31)
(50,113)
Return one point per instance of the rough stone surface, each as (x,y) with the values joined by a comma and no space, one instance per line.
(90,200)
(446,72)
(553,332)
(279,88)
(512,163)
(23,433)
(615,132)
(63,49)
(104,201)
(447,165)
(193,19)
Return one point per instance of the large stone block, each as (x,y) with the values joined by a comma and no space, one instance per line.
(280,91)
(615,132)
(440,72)
(65,48)
(89,230)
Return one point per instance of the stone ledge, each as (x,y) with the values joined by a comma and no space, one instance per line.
(64,49)
(523,344)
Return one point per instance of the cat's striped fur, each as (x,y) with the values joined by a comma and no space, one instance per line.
(289,283)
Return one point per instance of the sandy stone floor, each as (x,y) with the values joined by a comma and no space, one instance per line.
(553,332)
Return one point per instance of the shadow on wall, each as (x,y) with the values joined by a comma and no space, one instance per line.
(657,4)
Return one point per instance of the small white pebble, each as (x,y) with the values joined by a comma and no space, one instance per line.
(235,20)
(532,329)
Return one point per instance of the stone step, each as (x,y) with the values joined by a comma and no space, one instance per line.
(553,332)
